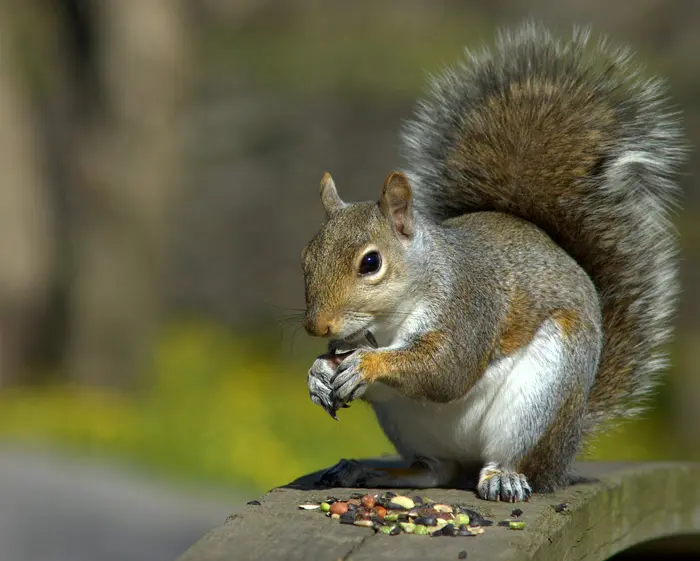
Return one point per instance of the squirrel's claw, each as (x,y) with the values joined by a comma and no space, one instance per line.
(496,484)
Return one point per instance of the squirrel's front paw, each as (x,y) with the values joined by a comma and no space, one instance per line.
(349,381)
(320,375)
(498,484)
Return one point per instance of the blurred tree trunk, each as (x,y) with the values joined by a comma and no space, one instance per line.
(128,160)
(25,216)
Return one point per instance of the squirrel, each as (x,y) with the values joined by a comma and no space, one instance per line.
(513,288)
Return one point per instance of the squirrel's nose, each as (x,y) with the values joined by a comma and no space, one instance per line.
(318,326)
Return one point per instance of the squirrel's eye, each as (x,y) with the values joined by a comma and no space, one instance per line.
(371,262)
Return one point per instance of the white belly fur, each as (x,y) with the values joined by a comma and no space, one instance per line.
(484,424)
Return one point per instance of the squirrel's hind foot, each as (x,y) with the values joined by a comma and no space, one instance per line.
(353,473)
(498,484)
(346,473)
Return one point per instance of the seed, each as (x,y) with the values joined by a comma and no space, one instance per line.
(338,508)
(474,515)
(325,507)
(309,507)
(442,508)
(368,501)
(370,338)
(335,516)
(364,523)
(254,503)
(516,512)
(461,519)
(426,520)
(421,530)
(407,527)
(462,555)
(382,501)
(402,502)
(449,530)
(380,511)
(516,525)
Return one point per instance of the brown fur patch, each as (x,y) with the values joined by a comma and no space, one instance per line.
(568,320)
(388,364)
(520,325)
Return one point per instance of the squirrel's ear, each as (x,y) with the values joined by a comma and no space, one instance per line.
(329,195)
(397,203)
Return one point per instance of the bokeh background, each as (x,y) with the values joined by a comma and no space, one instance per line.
(159,169)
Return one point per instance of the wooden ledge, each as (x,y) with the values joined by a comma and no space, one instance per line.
(619,506)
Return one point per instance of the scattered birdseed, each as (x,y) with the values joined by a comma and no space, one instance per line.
(393,514)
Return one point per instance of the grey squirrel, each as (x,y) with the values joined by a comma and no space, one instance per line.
(517,280)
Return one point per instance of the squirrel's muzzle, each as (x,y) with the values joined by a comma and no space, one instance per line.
(319,325)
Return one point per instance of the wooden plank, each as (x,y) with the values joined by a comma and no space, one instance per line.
(622,505)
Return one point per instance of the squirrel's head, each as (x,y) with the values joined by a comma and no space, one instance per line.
(354,268)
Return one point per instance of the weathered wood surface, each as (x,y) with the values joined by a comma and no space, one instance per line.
(620,505)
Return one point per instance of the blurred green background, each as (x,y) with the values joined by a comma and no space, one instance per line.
(160,168)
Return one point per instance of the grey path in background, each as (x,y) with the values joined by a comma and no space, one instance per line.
(58,508)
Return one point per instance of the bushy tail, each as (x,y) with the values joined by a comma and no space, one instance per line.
(569,136)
